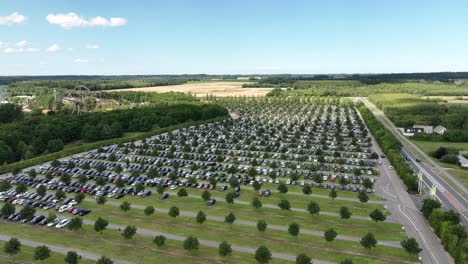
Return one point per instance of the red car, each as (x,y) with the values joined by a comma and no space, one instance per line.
(260,193)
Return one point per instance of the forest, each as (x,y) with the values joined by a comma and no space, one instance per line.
(35,135)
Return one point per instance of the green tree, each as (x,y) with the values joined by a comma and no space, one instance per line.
(149,210)
(428,206)
(71,257)
(7,209)
(191,243)
(41,190)
(368,241)
(363,197)
(41,253)
(367,183)
(333,194)
(55,145)
(101,199)
(104,260)
(75,224)
(313,207)
(282,188)
(411,246)
(224,249)
(182,192)
(256,203)
(345,213)
(294,229)
(284,204)
(159,240)
(173,212)
(129,232)
(201,217)
(59,194)
(100,224)
(12,247)
(230,218)
(66,178)
(346,261)
(330,234)
(4,186)
(27,212)
(262,255)
(262,225)
(21,188)
(230,198)
(307,190)
(377,215)
(256,185)
(206,195)
(125,206)
(79,197)
(303,259)
(83,179)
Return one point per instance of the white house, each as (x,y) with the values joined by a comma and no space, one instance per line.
(440,130)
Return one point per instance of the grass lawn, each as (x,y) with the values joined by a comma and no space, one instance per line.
(27,256)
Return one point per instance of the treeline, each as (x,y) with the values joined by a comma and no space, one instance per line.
(446,225)
(93,85)
(37,135)
(391,146)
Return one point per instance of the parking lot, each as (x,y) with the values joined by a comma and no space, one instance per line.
(267,151)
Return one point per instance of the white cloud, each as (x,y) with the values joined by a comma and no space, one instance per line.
(72,20)
(80,61)
(92,46)
(13,18)
(21,43)
(54,48)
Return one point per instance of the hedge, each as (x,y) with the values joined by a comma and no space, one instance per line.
(95,145)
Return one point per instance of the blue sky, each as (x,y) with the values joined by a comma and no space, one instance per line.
(54,37)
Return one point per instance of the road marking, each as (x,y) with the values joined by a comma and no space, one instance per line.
(411,220)
(385,189)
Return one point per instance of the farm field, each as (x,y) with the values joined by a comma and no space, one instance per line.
(199,89)
(297,163)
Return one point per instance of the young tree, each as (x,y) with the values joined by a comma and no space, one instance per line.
(411,246)
(75,224)
(101,199)
(330,234)
(333,194)
(367,183)
(173,212)
(12,247)
(206,195)
(21,188)
(129,232)
(230,218)
(159,240)
(160,189)
(139,187)
(4,186)
(224,249)
(79,197)
(59,194)
(303,259)
(368,241)
(125,206)
(313,207)
(284,204)
(256,203)
(261,225)
(27,212)
(66,178)
(263,255)
(100,224)
(230,198)
(294,229)
(41,190)
(191,243)
(363,197)
(41,253)
(345,213)
(282,188)
(377,215)
(201,217)
(83,179)
(256,185)
(71,257)
(7,209)
(307,190)
(104,260)
(101,181)
(149,210)
(346,261)
(182,192)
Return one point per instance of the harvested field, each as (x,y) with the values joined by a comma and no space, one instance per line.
(203,89)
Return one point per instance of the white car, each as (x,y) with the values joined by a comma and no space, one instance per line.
(51,224)
(62,223)
(64,208)
(173,187)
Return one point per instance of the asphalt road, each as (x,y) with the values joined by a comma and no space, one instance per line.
(446,194)
(400,204)
(61,250)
